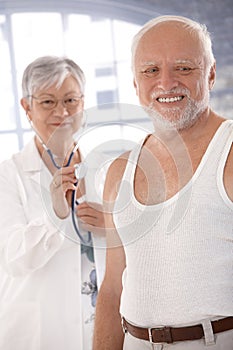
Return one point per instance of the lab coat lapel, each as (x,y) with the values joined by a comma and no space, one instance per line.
(34,167)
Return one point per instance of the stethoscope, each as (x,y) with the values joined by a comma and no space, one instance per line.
(80,172)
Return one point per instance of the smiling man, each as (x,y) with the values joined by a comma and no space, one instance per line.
(169,268)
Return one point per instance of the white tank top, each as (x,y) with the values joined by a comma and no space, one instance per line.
(179,254)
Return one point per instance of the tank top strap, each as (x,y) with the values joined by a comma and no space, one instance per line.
(226,139)
(221,140)
(229,126)
(132,161)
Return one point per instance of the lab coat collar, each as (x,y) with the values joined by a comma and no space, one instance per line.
(32,163)
(31,159)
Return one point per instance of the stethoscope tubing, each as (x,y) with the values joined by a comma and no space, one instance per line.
(73,202)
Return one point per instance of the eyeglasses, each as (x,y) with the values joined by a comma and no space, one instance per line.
(49,103)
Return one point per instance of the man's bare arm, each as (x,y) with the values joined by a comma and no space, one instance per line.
(108,333)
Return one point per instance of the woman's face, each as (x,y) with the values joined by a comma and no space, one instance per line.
(56,113)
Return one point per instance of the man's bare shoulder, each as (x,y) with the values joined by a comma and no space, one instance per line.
(118,165)
(115,174)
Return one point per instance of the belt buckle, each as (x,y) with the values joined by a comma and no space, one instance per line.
(166,335)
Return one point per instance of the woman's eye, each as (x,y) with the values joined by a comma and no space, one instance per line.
(71,100)
(47,102)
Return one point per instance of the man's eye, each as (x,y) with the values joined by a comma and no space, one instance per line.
(150,71)
(184,69)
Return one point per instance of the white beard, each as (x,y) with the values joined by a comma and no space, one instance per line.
(173,118)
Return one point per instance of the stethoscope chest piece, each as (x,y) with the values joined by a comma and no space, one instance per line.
(80,170)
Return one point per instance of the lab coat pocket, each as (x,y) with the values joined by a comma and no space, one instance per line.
(20,326)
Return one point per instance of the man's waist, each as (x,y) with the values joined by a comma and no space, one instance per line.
(168,334)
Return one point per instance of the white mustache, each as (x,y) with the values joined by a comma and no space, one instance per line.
(179,91)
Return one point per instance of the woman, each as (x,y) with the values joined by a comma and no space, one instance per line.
(47,273)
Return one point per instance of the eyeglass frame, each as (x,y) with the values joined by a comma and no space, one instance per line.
(56,100)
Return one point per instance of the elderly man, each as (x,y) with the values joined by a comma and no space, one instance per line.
(169,268)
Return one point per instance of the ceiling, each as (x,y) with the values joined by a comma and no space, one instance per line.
(217,15)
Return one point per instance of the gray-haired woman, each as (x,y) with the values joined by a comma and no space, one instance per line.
(48,275)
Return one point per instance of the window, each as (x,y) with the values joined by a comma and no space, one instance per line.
(106,96)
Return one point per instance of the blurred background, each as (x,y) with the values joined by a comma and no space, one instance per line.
(97,35)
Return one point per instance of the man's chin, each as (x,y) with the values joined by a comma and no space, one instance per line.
(163,122)
(171,121)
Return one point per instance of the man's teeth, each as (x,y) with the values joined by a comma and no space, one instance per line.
(171,99)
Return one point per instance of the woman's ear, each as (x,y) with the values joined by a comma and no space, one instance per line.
(26,106)
(212,76)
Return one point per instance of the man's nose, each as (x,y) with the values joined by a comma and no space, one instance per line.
(167,79)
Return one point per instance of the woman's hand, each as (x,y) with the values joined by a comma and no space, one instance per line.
(61,189)
(91,217)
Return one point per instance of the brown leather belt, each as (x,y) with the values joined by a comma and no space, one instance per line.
(173,334)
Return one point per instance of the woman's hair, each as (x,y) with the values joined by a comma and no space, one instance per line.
(49,70)
(193,26)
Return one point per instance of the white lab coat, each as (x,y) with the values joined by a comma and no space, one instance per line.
(40,288)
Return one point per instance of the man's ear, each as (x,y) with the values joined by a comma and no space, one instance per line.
(135,86)
(212,76)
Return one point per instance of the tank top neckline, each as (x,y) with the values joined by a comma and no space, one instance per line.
(133,159)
